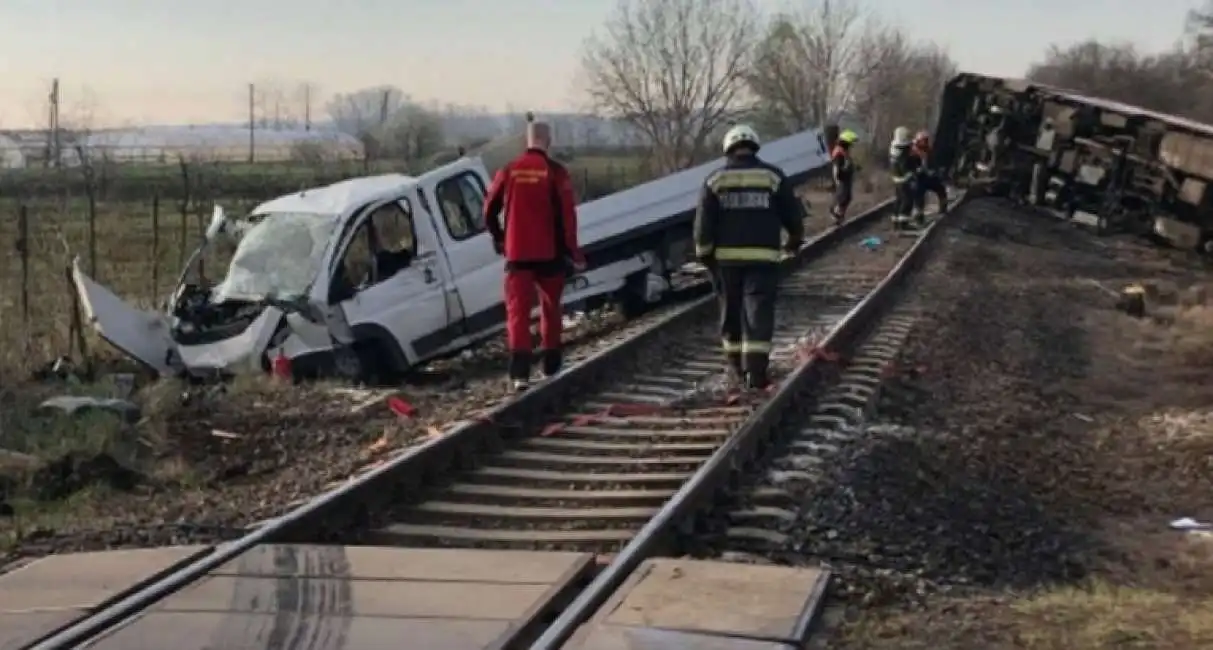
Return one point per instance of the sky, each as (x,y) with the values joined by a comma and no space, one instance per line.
(164,61)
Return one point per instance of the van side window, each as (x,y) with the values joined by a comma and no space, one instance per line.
(393,227)
(461,199)
(357,264)
(384,244)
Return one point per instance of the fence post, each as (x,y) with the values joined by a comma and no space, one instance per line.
(23,250)
(92,229)
(155,247)
(200,211)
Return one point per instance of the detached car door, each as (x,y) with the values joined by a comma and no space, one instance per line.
(389,277)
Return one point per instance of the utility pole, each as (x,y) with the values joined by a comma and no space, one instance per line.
(307,107)
(53,141)
(252,122)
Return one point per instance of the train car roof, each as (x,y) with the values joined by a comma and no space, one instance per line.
(1107,104)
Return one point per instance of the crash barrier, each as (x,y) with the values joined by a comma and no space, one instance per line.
(362,501)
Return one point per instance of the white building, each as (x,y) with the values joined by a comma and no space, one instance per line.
(166,144)
(11,155)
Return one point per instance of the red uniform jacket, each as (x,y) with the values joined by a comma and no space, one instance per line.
(538,229)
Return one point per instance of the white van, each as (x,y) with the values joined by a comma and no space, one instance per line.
(372,276)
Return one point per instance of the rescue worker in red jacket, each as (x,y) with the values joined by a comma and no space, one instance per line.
(537,234)
(928,179)
(844,174)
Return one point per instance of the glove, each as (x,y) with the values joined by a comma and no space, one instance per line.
(793,247)
(499,246)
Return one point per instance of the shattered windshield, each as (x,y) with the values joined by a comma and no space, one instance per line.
(279,256)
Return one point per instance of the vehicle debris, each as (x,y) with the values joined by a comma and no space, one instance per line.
(72,405)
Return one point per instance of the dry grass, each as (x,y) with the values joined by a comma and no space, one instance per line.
(1168,606)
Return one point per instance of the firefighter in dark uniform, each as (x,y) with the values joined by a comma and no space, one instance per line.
(928,179)
(904,165)
(844,174)
(742,212)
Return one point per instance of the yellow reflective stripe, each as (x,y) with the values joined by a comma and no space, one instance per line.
(747,254)
(735,179)
(704,251)
(902,179)
(755,347)
(732,346)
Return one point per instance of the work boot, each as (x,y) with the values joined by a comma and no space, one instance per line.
(756,372)
(757,381)
(553,361)
(520,369)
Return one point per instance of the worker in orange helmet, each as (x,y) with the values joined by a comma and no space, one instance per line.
(537,234)
(928,179)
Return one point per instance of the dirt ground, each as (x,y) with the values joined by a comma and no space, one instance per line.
(201,462)
(1017,486)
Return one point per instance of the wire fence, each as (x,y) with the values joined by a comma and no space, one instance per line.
(134,232)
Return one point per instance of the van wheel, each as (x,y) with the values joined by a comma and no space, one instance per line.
(631,302)
(363,362)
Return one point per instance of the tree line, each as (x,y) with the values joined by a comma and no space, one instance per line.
(1178,81)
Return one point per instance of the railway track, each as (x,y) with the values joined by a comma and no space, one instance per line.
(588,475)
(743,504)
(613,455)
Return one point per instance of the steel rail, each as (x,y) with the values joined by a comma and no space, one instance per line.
(351,504)
(726,467)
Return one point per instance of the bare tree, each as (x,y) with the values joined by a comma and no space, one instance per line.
(388,122)
(357,112)
(672,69)
(1174,82)
(810,64)
(905,89)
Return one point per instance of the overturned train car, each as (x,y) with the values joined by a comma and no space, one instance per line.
(1107,165)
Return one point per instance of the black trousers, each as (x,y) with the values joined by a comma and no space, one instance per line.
(906,193)
(933,184)
(746,295)
(842,200)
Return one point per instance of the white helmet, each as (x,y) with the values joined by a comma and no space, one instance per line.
(741,134)
(901,137)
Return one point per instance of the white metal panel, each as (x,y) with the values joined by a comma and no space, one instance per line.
(651,202)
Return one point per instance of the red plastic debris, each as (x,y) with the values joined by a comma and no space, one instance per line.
(626,410)
(281,367)
(401,407)
(552,429)
(889,370)
(584,420)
